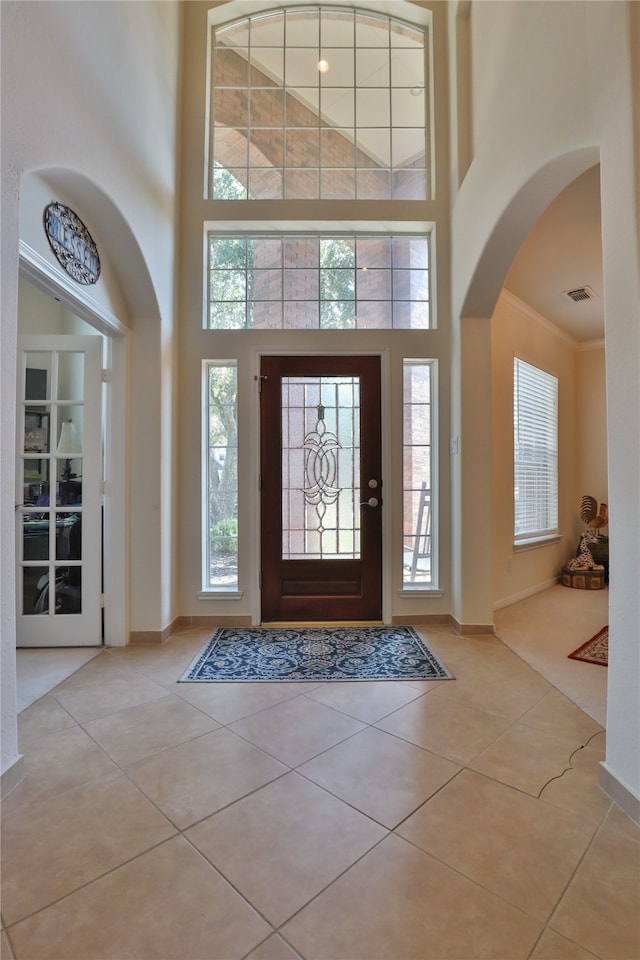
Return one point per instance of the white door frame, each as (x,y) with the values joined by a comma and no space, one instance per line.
(45,277)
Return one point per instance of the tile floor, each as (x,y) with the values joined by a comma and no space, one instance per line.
(448,820)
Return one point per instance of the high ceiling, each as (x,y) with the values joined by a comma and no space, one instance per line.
(563,251)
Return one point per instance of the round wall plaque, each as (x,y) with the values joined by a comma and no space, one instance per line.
(72,243)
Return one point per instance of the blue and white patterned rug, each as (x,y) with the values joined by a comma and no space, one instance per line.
(316,653)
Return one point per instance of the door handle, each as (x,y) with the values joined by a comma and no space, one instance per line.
(371,502)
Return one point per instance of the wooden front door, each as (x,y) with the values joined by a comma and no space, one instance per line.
(321,497)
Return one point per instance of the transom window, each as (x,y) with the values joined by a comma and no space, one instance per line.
(318,282)
(318,103)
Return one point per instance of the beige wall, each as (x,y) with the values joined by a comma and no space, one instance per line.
(519,332)
(591,420)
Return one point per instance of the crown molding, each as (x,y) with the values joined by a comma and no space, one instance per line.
(523,308)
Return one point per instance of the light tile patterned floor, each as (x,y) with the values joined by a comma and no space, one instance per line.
(449,820)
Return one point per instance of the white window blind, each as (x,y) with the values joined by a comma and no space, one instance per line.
(535,441)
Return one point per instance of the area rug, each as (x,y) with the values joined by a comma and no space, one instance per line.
(595,650)
(316,653)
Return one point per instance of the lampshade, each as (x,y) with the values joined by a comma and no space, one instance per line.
(69,442)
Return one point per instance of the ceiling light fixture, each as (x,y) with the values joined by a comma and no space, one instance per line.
(323,66)
(415,91)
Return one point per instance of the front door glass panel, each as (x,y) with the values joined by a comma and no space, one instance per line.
(320,468)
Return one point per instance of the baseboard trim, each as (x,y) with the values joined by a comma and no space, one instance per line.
(409,619)
(12,776)
(472,629)
(523,594)
(153,636)
(621,795)
(198,620)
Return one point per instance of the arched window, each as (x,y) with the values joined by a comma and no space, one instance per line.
(318,103)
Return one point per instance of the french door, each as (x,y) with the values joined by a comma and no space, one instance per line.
(58,475)
(321,497)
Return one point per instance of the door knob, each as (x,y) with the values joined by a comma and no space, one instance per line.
(371,502)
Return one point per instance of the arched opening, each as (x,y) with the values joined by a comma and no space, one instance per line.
(123,308)
(545,244)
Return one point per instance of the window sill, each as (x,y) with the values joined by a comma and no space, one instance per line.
(411,592)
(534,542)
(220,594)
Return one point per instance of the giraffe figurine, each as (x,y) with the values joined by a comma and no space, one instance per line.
(584,560)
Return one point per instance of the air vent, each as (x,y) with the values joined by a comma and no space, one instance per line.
(581,293)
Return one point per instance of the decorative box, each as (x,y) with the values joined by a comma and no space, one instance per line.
(583,579)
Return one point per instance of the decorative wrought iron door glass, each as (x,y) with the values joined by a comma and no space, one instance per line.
(320,468)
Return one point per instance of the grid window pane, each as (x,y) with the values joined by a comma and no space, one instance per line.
(336,28)
(320,282)
(267,108)
(334,74)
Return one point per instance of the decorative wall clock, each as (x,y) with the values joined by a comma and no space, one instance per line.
(73,245)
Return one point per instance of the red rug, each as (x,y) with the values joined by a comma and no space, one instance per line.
(595,650)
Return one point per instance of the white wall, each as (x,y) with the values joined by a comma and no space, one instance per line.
(89,97)
(557,93)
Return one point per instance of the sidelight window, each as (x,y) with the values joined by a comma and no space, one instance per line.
(418,493)
(221,486)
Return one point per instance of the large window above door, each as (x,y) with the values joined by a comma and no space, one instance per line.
(318,103)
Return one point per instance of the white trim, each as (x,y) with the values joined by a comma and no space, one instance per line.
(531,543)
(116,498)
(408,592)
(396,9)
(523,594)
(222,594)
(321,228)
(52,281)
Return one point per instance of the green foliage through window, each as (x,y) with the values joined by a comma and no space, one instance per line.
(222,476)
(317,282)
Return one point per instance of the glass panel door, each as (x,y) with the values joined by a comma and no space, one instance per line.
(58,475)
(321,484)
